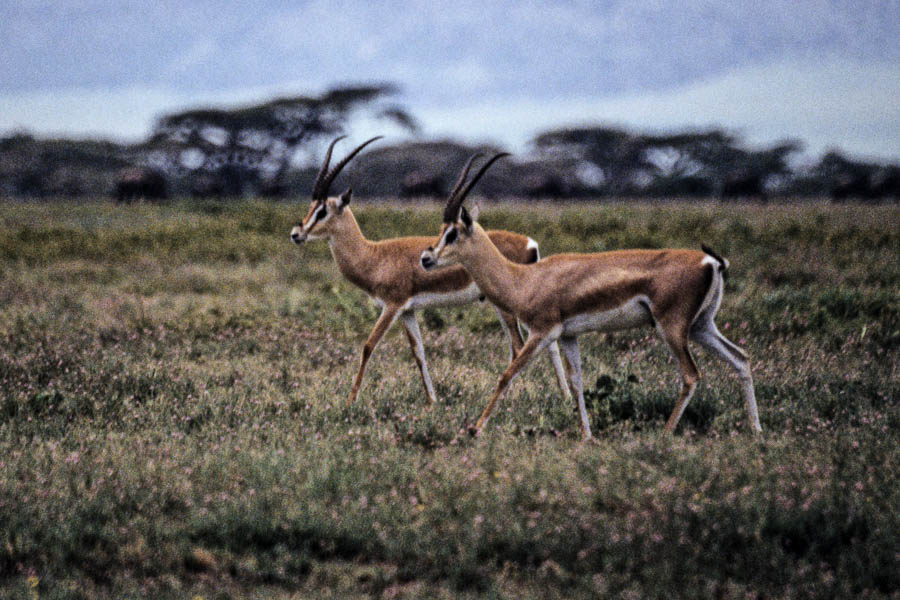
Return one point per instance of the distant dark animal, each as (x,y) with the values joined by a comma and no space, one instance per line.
(849,185)
(867,184)
(545,185)
(743,186)
(206,185)
(140,183)
(885,183)
(418,184)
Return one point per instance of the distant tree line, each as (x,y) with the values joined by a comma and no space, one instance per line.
(254,150)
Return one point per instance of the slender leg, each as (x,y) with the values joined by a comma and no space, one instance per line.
(570,347)
(535,343)
(708,335)
(387,318)
(677,343)
(511,328)
(558,367)
(408,318)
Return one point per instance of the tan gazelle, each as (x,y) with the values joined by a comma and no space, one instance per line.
(389,272)
(560,297)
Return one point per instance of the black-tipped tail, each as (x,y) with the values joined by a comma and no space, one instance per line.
(715,255)
(723,264)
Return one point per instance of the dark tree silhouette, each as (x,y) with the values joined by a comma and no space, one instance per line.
(250,149)
(843,178)
(690,163)
(619,154)
(421,184)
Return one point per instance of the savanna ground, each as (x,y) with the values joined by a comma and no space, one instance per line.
(173,420)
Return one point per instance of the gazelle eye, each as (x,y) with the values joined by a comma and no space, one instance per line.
(451,237)
(322,212)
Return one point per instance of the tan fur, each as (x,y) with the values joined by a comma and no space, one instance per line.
(389,271)
(567,294)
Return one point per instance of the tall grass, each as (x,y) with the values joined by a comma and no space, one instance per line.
(172,416)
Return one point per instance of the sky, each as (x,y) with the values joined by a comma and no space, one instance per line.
(824,71)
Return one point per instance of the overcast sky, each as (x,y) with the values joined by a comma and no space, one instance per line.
(824,71)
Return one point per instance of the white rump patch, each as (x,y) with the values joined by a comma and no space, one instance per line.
(709,260)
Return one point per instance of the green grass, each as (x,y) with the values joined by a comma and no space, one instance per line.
(173,424)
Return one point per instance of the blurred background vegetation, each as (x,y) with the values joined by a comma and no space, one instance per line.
(272,149)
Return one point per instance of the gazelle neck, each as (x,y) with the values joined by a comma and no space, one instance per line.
(497,277)
(349,247)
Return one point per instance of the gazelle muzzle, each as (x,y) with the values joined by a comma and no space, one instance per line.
(298,234)
(428,260)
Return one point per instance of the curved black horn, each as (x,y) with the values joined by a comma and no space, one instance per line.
(318,192)
(452,208)
(326,182)
(465,191)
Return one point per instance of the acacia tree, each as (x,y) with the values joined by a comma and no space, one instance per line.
(842,178)
(686,163)
(728,168)
(619,154)
(234,151)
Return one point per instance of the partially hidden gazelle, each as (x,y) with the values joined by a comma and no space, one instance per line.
(389,271)
(562,296)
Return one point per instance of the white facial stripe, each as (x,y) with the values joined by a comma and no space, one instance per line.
(316,219)
(450,236)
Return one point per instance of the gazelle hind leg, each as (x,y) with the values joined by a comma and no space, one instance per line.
(677,343)
(414,335)
(706,333)
(573,355)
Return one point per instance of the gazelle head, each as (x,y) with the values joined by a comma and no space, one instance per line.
(459,223)
(325,211)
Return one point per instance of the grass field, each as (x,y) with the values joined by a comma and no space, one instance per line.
(173,425)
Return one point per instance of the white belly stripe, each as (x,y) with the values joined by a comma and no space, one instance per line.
(464,296)
(633,313)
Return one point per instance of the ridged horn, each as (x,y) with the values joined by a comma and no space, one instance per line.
(452,208)
(318,192)
(451,213)
(326,181)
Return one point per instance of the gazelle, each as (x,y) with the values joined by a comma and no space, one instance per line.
(676,291)
(389,272)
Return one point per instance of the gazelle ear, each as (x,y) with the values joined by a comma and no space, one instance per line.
(344,199)
(476,210)
(465,218)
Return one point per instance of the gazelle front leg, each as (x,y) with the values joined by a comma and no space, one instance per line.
(408,318)
(536,343)
(511,328)
(558,367)
(387,318)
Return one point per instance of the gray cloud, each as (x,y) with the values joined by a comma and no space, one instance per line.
(448,58)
